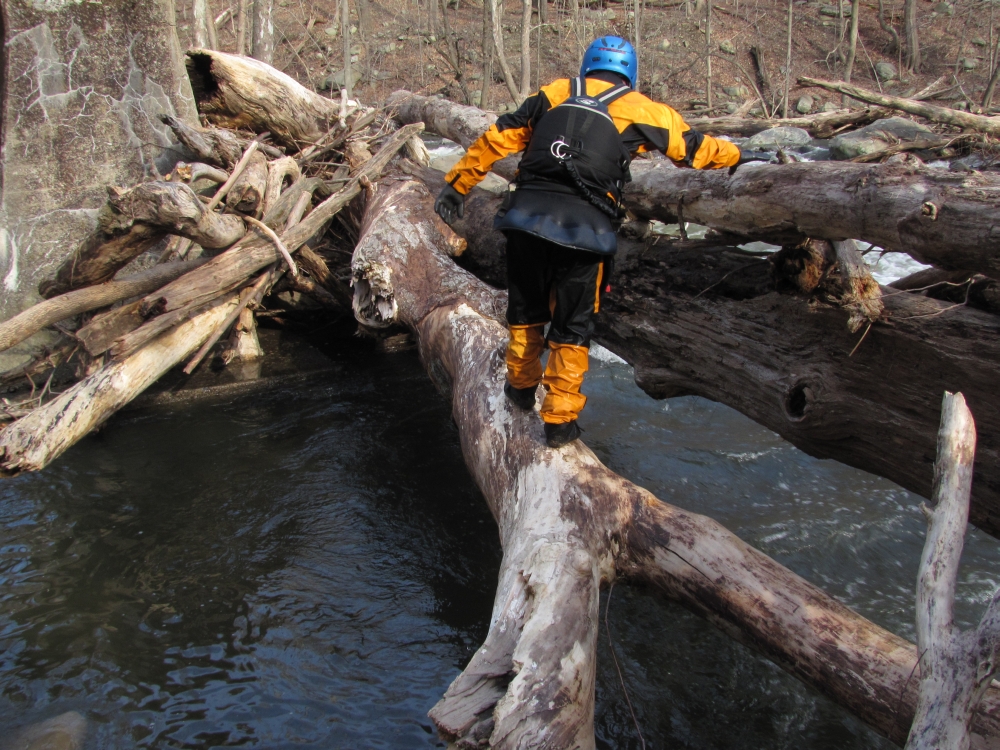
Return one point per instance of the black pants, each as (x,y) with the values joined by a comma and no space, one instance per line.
(551,283)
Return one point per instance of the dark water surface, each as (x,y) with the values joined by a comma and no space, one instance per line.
(311,567)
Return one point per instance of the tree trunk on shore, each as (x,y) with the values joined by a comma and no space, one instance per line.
(702,319)
(569,525)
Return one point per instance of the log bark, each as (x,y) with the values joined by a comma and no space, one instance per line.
(44,314)
(242,93)
(568,524)
(955,667)
(962,287)
(36,440)
(943,115)
(131,222)
(945,219)
(700,319)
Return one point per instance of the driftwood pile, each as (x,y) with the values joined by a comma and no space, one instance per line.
(802,340)
(228,223)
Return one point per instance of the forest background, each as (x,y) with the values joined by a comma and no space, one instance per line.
(708,58)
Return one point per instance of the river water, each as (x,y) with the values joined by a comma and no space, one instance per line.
(311,567)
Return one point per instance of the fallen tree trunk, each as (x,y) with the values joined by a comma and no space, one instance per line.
(947,219)
(44,314)
(822,125)
(703,319)
(568,524)
(943,115)
(243,93)
(131,222)
(35,440)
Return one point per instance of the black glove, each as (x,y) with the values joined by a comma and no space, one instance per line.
(746,156)
(449,204)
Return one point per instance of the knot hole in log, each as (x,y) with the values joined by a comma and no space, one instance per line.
(797,401)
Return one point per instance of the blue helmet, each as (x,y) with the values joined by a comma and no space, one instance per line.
(611,53)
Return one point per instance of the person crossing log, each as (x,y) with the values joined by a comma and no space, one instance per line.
(569,525)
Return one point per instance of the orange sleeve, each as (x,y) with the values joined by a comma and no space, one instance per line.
(647,125)
(491,146)
(509,135)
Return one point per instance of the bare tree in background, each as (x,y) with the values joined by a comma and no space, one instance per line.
(852,48)
(496,14)
(708,52)
(205,35)
(263,30)
(887,27)
(432,17)
(788,63)
(525,50)
(912,36)
(345,29)
(242,23)
(487,58)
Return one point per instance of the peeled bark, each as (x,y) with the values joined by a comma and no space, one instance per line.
(132,222)
(702,319)
(568,524)
(243,93)
(34,441)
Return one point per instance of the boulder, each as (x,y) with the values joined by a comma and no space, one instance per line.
(728,47)
(876,137)
(775,138)
(739,91)
(885,71)
(85,85)
(969,63)
(829,107)
(804,105)
(335,81)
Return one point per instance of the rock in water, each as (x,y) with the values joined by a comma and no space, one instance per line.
(64,732)
(775,138)
(804,105)
(876,137)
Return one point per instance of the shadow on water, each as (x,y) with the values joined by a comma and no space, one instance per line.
(310,567)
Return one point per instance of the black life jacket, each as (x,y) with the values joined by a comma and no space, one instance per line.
(577,144)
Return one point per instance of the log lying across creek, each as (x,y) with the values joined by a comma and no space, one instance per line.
(946,219)
(703,318)
(569,525)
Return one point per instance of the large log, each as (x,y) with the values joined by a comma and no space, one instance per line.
(947,219)
(568,524)
(710,321)
(240,92)
(131,222)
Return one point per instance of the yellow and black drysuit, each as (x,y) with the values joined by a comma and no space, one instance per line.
(560,243)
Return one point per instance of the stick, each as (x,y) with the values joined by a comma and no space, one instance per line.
(277,243)
(237,171)
(245,296)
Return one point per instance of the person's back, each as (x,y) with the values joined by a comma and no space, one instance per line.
(561,215)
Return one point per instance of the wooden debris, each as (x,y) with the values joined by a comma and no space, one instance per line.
(943,115)
(243,93)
